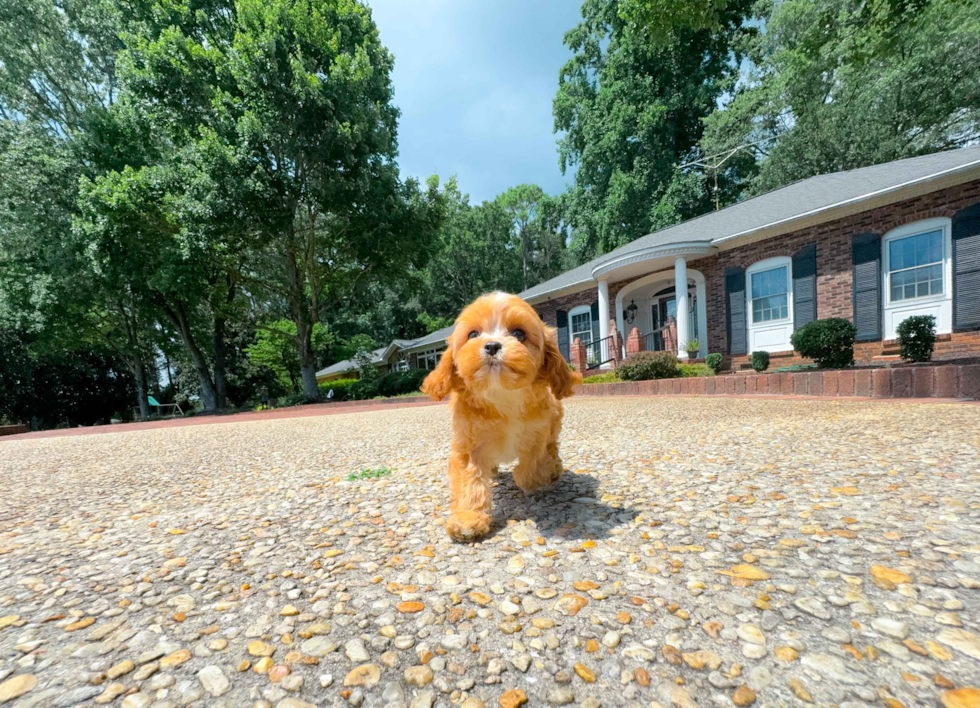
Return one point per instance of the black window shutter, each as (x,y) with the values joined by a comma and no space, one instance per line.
(562,320)
(966,268)
(595,321)
(735,306)
(805,285)
(866,286)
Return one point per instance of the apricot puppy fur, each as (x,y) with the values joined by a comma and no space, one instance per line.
(505,378)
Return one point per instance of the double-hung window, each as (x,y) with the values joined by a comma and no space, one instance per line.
(582,326)
(429,359)
(770,295)
(915,266)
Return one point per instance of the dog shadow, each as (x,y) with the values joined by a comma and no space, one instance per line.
(570,508)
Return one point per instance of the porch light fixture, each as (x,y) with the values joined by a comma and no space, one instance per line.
(629,314)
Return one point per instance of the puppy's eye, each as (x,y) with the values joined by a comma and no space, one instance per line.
(519,335)
(473,334)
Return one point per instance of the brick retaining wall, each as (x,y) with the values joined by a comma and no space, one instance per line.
(900,382)
(13,429)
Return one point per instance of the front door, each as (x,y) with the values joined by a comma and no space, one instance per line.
(666,307)
(663,309)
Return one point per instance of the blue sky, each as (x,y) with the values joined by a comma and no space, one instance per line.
(474,80)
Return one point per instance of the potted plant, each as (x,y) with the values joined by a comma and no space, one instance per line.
(692,348)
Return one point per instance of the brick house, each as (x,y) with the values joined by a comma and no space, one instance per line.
(401,354)
(873,245)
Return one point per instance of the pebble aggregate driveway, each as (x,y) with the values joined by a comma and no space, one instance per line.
(697,552)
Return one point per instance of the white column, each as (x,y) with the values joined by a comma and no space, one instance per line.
(604,317)
(683,305)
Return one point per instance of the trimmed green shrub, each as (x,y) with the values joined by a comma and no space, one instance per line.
(917,337)
(397,383)
(693,370)
(363,389)
(760,361)
(608,377)
(714,361)
(644,366)
(829,342)
(340,388)
(293,399)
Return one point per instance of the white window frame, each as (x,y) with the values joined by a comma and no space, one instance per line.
(428,359)
(580,310)
(773,335)
(939,306)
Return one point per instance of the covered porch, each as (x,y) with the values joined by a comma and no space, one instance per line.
(647,298)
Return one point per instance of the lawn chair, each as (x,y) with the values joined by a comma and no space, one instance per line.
(175,408)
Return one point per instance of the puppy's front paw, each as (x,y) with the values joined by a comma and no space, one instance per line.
(557,469)
(468,525)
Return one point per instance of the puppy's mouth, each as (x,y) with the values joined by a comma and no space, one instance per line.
(494,363)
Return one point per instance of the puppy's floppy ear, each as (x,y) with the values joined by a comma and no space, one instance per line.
(555,369)
(443,379)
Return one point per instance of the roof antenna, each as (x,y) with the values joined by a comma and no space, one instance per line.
(715,162)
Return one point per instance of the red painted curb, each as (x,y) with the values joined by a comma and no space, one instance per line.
(310,411)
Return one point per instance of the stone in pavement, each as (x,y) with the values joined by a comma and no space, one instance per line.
(754,551)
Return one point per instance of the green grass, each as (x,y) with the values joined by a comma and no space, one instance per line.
(609,377)
(369,474)
(685,369)
(688,370)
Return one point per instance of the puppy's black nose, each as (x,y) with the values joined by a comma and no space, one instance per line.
(492,348)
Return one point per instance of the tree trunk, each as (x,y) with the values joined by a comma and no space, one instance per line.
(209,395)
(139,373)
(220,355)
(524,255)
(134,358)
(304,328)
(307,368)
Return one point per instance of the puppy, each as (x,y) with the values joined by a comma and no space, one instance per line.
(505,377)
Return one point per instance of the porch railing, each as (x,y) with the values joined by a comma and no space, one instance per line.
(599,352)
(663,339)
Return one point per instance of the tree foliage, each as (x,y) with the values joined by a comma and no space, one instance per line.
(284,111)
(274,349)
(659,19)
(835,85)
(630,111)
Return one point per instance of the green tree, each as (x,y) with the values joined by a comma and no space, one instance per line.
(537,231)
(659,19)
(835,85)
(630,110)
(48,388)
(286,107)
(475,254)
(57,60)
(130,238)
(433,324)
(274,349)
(521,204)
(48,289)
(58,91)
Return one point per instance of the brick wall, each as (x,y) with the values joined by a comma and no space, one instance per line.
(927,381)
(833,241)
(547,311)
